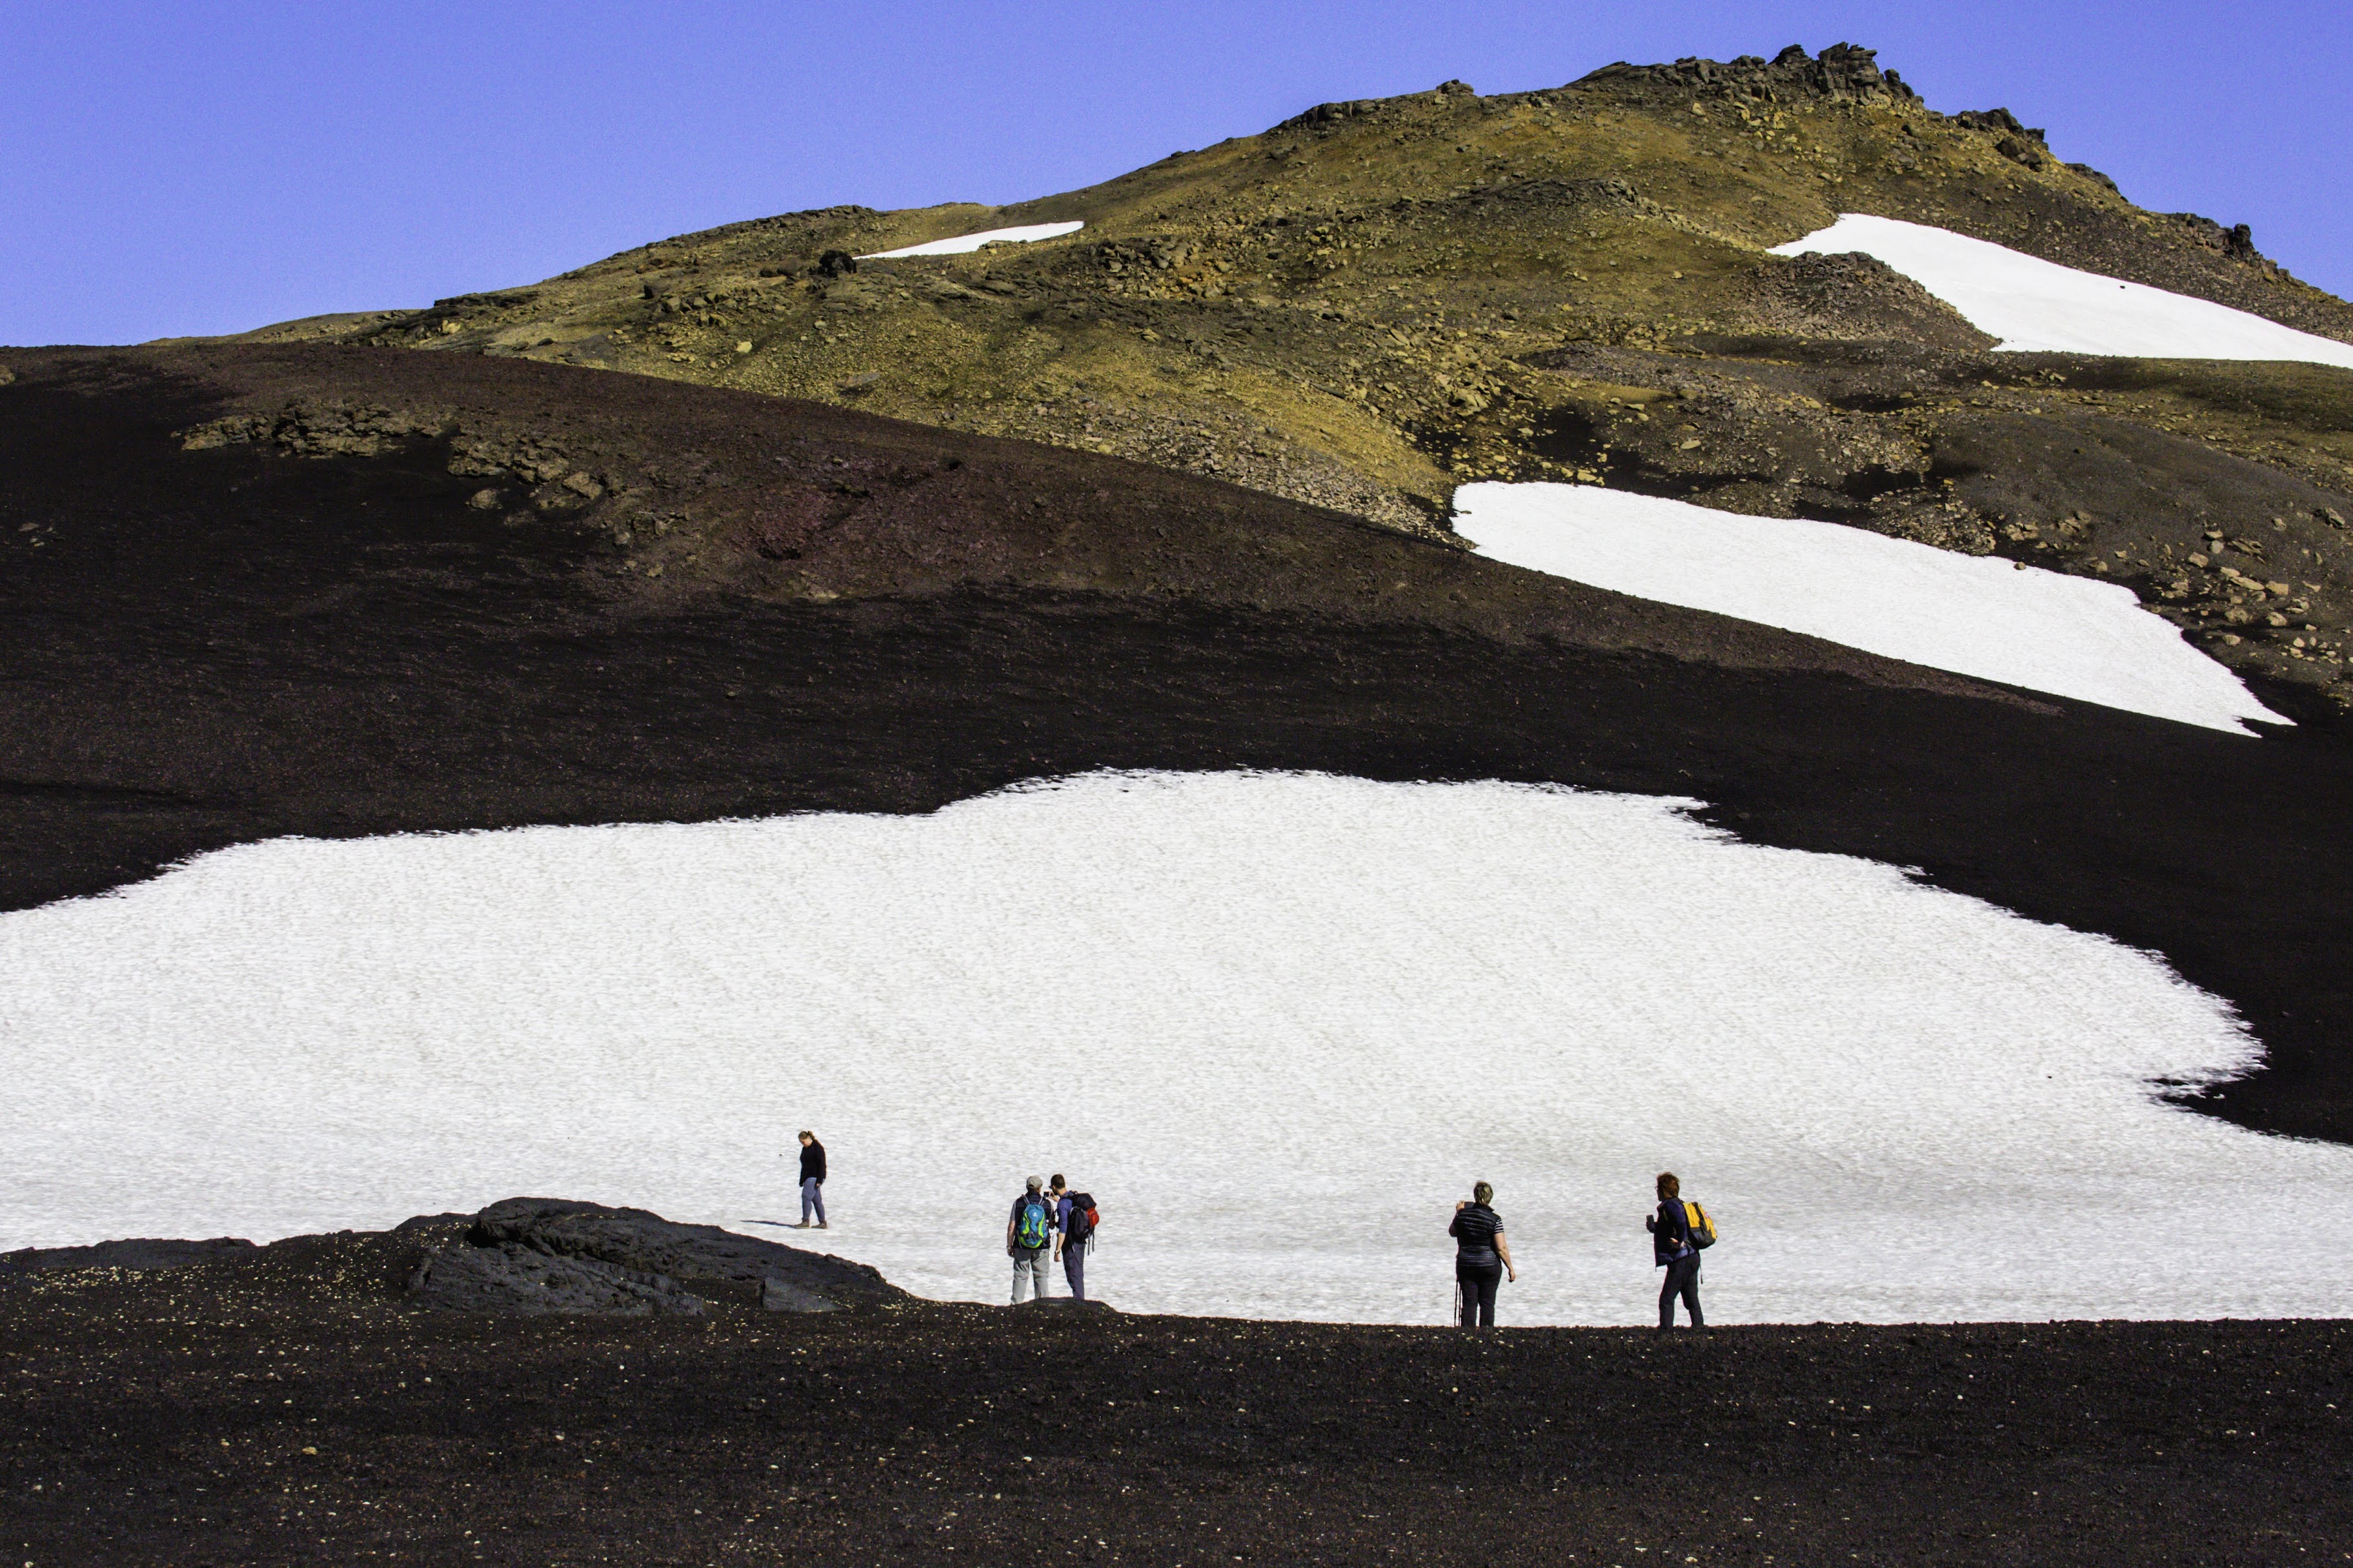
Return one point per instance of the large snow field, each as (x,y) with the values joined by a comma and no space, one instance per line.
(1276,1023)
(1977,615)
(2038,306)
(965,244)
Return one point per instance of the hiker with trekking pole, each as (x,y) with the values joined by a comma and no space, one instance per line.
(1678,1231)
(1482,1259)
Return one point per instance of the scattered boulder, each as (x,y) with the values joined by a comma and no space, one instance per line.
(835,263)
(2097,177)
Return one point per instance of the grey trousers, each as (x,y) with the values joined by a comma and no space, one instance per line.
(1029,1269)
(1074,1269)
(813,1197)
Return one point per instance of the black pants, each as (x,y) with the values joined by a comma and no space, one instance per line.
(1682,1280)
(1477,1283)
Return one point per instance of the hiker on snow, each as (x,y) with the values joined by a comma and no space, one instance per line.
(812,1181)
(1677,1232)
(1028,1238)
(1482,1259)
(1074,1234)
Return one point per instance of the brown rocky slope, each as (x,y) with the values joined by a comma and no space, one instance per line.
(1374,301)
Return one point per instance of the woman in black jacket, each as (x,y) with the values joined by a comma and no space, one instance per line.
(1671,1249)
(1482,1259)
(812,1181)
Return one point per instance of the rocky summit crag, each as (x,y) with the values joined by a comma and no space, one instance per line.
(1375,300)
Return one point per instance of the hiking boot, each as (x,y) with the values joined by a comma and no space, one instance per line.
(803,1226)
(822,1225)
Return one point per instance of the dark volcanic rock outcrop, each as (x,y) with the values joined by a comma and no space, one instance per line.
(539,1255)
(533,1257)
(136,1254)
(646,1244)
(512,1277)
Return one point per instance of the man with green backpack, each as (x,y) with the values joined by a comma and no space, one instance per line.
(1030,1240)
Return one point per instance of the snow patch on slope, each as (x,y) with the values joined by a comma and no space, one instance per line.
(2038,306)
(963,244)
(1277,1025)
(1976,616)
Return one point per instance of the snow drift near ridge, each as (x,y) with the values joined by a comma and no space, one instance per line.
(1276,1023)
(963,244)
(1976,616)
(2040,306)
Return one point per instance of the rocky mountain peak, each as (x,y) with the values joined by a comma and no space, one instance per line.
(1843,73)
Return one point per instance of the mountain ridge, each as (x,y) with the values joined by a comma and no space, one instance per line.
(1377,300)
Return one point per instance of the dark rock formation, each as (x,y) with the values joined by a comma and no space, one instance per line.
(134,1254)
(646,1243)
(508,1277)
(1843,73)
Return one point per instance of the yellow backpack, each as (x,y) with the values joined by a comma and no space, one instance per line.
(1702,1229)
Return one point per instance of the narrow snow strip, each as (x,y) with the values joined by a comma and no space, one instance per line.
(2038,306)
(1977,615)
(964,243)
(1277,1025)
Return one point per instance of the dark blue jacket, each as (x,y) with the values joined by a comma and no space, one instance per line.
(1669,1233)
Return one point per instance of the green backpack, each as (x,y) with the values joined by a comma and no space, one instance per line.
(1036,1227)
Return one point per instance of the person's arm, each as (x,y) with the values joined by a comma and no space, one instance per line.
(1503,1251)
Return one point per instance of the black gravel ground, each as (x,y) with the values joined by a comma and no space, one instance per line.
(290,1411)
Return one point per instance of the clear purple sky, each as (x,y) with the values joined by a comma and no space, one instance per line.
(179,167)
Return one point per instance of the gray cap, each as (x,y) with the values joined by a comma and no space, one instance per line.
(1037,1184)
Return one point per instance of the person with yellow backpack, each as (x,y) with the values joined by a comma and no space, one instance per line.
(1678,1231)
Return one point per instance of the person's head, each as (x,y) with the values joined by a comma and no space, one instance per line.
(1056,1183)
(1482,1193)
(807,1136)
(1037,1184)
(1668,1186)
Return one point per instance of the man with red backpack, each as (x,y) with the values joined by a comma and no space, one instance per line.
(1074,1232)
